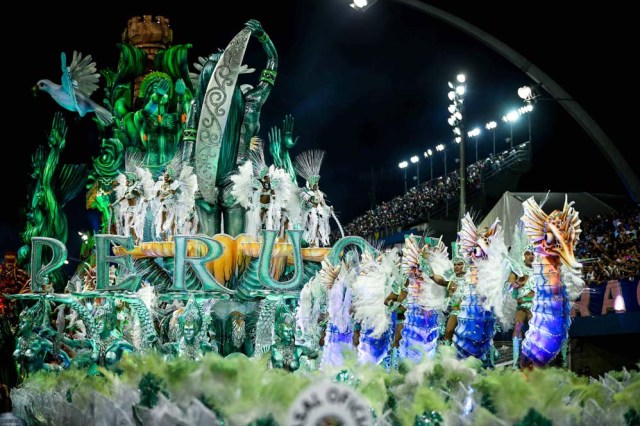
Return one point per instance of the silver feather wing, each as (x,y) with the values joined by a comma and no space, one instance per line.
(84,73)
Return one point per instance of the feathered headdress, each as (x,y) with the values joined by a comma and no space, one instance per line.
(256,155)
(474,242)
(456,254)
(520,244)
(132,161)
(179,162)
(308,165)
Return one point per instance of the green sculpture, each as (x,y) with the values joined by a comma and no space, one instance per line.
(101,180)
(32,348)
(108,344)
(55,185)
(149,94)
(285,353)
(222,122)
(157,126)
(280,143)
(191,343)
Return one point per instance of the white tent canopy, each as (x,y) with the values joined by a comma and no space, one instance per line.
(509,208)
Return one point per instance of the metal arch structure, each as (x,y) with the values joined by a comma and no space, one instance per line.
(609,150)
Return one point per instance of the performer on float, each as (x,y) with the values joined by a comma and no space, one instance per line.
(316,212)
(266,192)
(174,202)
(520,285)
(455,281)
(424,300)
(134,192)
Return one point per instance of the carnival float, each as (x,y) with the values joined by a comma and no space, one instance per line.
(212,292)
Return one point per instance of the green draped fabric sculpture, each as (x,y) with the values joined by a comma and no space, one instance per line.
(54,186)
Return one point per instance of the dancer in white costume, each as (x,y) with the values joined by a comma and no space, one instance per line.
(316,212)
(134,192)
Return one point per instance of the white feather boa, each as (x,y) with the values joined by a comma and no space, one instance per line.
(428,294)
(242,184)
(339,304)
(492,274)
(369,293)
(573,282)
(312,297)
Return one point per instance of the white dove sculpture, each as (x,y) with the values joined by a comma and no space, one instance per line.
(79,81)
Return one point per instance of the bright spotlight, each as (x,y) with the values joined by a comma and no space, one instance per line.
(362,5)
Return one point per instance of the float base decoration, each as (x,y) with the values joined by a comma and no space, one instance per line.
(244,391)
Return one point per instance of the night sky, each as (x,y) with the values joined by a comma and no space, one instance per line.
(370,88)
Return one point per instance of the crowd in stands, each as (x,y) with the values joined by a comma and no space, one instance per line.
(608,247)
(415,206)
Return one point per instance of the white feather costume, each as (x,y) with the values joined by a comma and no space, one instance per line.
(490,257)
(173,206)
(316,213)
(339,334)
(248,185)
(134,192)
(370,290)
(186,216)
(422,290)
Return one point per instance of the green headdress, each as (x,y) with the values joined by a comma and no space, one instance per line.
(520,244)
(190,315)
(151,80)
(107,311)
(456,254)
(284,317)
(431,241)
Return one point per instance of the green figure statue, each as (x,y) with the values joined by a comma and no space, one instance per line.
(222,122)
(54,186)
(157,126)
(149,94)
(285,353)
(280,143)
(101,180)
(108,344)
(32,349)
(192,343)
